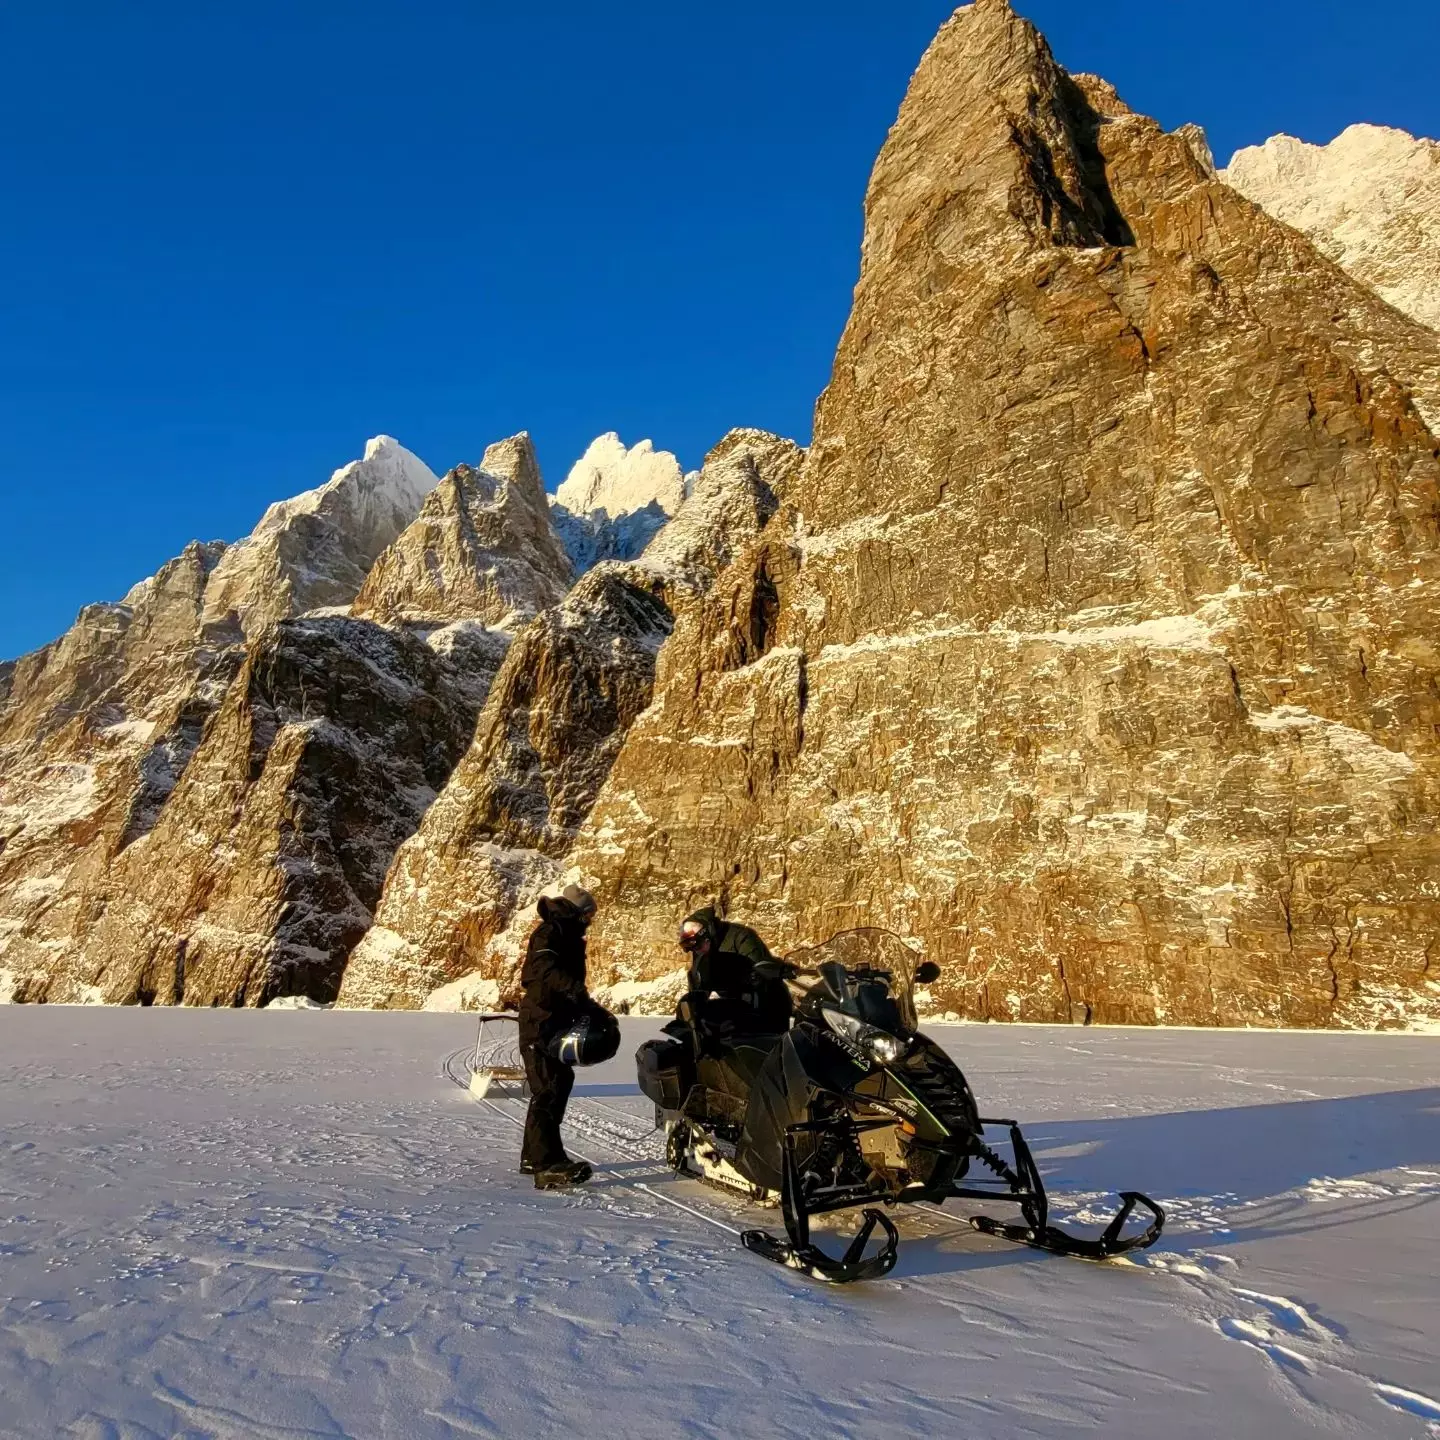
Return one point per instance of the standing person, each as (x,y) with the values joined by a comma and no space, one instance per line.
(555,998)
(732,963)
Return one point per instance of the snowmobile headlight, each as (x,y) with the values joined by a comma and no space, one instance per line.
(880,1045)
(886,1048)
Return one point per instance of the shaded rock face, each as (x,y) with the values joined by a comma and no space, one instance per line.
(315,550)
(1370,200)
(481,548)
(569,688)
(261,871)
(456,899)
(1095,645)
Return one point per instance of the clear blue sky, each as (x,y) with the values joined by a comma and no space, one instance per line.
(239,239)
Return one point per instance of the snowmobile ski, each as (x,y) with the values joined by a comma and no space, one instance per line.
(1104,1247)
(1027,1190)
(799,1252)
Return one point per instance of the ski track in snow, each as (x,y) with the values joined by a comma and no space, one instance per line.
(234,1225)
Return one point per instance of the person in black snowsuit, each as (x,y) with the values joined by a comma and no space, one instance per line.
(555,997)
(735,984)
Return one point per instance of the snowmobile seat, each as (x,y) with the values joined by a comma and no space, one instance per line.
(733,1071)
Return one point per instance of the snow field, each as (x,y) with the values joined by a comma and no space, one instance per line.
(223,1223)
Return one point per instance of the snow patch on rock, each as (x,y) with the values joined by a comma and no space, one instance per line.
(470,992)
(1361,751)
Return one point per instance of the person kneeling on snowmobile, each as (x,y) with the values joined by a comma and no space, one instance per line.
(736,984)
(560,1027)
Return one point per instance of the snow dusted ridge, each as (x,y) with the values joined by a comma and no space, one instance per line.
(616,500)
(617,480)
(315,550)
(482,548)
(1370,200)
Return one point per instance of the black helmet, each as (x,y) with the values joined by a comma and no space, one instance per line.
(698,931)
(591,1040)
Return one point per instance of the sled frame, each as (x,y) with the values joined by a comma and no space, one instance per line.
(495,1063)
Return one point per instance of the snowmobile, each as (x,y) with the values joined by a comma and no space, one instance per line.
(851,1107)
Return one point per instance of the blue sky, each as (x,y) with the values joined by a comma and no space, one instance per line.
(239,240)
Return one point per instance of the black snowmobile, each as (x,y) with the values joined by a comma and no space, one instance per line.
(852,1106)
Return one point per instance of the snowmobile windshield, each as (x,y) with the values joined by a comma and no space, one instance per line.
(860,950)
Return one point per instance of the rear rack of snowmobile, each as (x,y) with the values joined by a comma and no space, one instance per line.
(496,1061)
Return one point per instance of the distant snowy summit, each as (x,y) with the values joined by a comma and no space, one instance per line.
(619,481)
(616,499)
(315,549)
(1369,200)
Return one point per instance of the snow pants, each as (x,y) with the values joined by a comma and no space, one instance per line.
(550,1087)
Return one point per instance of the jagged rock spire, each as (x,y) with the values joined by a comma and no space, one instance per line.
(482,548)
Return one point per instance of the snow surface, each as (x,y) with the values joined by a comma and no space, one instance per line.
(222,1223)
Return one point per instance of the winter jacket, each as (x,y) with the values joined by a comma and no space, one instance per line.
(553,975)
(729,971)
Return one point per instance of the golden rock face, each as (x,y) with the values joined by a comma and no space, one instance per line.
(1096,646)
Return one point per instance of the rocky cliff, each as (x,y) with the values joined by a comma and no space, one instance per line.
(202,790)
(316,549)
(95,730)
(1093,644)
(1370,200)
(482,548)
(572,685)
(1096,645)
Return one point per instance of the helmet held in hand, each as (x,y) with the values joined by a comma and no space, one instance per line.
(591,1040)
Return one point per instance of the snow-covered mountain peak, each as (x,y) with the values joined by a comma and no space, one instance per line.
(379,444)
(620,480)
(314,549)
(1370,200)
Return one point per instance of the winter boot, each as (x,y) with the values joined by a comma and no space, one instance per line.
(567,1172)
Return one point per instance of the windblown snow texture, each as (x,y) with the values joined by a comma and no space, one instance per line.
(291,1224)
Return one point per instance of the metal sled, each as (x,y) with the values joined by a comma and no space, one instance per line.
(496,1061)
